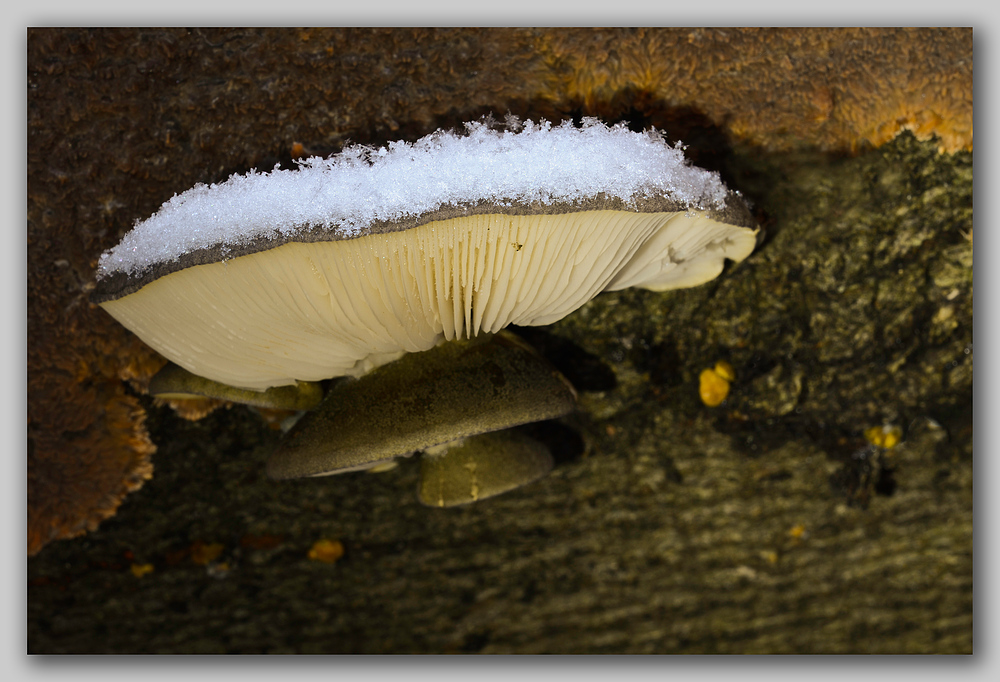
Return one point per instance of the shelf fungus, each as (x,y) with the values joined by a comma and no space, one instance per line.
(400,266)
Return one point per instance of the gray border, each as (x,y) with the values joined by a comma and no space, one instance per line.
(983,666)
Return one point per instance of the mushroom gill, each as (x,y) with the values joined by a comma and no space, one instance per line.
(377,253)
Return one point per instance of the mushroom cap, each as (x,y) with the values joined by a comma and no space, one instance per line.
(175,382)
(482,466)
(338,292)
(448,393)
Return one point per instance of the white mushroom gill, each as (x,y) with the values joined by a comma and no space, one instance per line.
(313,303)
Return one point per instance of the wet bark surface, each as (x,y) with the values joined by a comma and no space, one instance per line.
(766,524)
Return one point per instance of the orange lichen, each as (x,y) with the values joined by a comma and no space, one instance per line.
(886,437)
(78,477)
(139,570)
(326,551)
(725,370)
(777,88)
(713,384)
(87,441)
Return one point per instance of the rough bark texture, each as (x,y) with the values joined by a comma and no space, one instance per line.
(767,524)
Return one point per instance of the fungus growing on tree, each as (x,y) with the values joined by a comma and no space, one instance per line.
(173,382)
(439,398)
(347,264)
(335,268)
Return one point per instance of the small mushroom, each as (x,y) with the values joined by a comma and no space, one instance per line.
(174,382)
(422,400)
(478,467)
(347,263)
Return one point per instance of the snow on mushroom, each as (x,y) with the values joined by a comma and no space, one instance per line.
(346,263)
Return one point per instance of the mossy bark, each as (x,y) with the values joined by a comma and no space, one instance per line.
(766,524)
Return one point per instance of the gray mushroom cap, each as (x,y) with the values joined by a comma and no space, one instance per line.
(173,382)
(453,391)
(480,467)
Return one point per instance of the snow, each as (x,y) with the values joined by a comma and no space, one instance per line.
(346,193)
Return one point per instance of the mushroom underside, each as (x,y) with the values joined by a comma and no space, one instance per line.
(307,311)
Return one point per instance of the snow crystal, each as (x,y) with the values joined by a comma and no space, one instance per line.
(360,186)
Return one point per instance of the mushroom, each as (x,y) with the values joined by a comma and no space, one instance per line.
(174,382)
(348,263)
(479,467)
(399,268)
(436,399)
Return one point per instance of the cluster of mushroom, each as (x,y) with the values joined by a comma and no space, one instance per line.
(398,269)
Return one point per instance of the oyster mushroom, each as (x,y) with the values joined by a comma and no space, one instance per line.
(349,263)
(174,382)
(271,279)
(479,467)
(440,397)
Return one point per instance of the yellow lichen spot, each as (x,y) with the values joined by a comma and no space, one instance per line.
(712,387)
(139,570)
(798,532)
(725,370)
(884,436)
(203,554)
(327,551)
